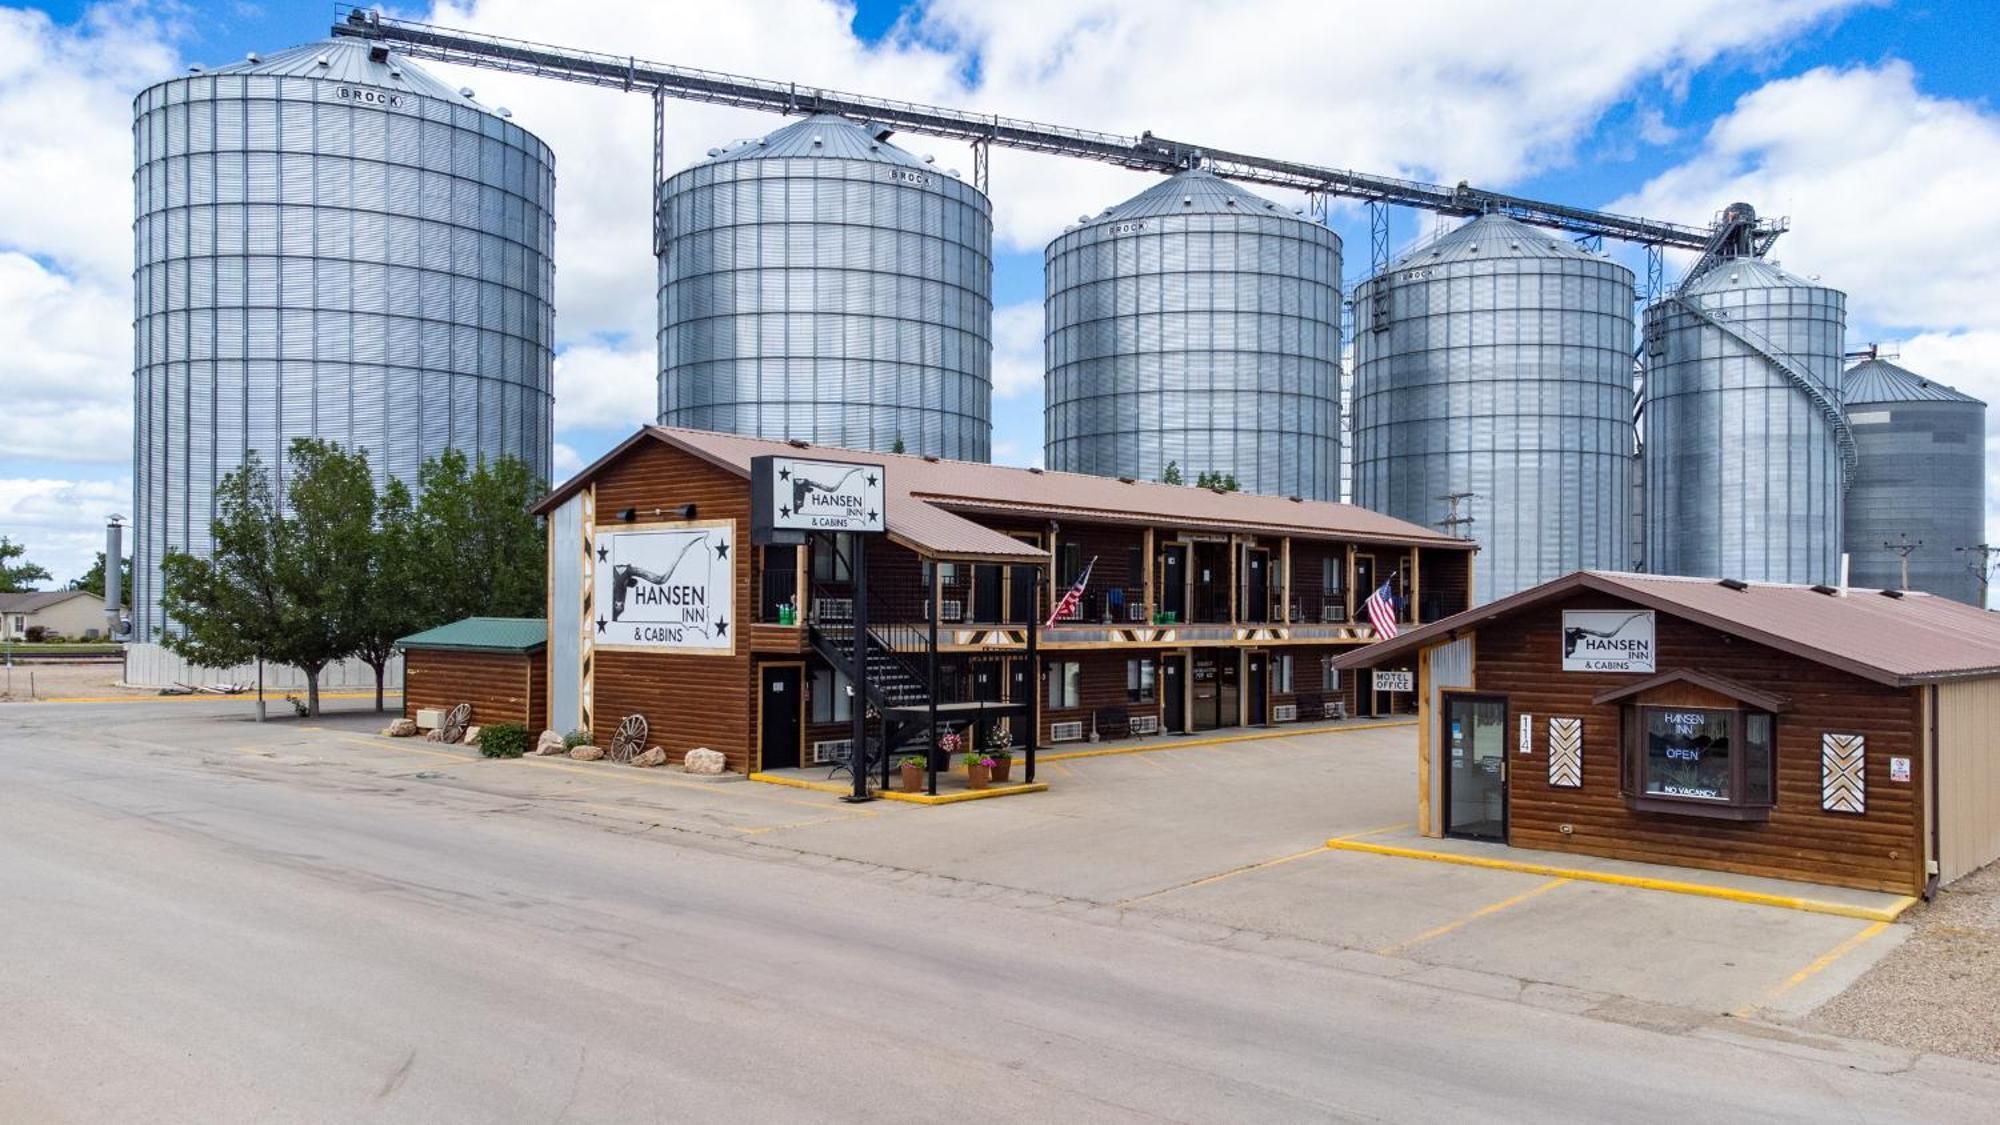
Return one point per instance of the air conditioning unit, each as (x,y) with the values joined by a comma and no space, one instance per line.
(952,609)
(1066,732)
(829,751)
(833,609)
(1145,724)
(1285,713)
(430,718)
(1332,614)
(1135,611)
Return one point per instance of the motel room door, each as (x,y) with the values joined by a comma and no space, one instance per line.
(1173,581)
(1257,701)
(1173,693)
(780,717)
(1474,739)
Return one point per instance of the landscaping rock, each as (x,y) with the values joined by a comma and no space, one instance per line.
(401,728)
(471,736)
(587,753)
(704,760)
(652,757)
(549,743)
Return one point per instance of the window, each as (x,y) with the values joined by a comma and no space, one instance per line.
(1139,677)
(832,558)
(1329,676)
(831,700)
(1069,563)
(1332,572)
(1281,668)
(1065,685)
(1701,760)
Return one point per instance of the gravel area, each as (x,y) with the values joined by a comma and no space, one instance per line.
(50,679)
(1940,990)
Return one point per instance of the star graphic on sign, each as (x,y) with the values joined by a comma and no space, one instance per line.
(871,478)
(603,554)
(784,474)
(600,624)
(871,513)
(722,550)
(784,511)
(721,628)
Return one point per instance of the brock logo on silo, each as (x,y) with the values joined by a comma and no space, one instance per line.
(1607,640)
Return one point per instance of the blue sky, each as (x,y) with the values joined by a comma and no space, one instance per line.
(1665,110)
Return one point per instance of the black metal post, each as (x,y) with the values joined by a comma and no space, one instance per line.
(858,758)
(930,732)
(1034,682)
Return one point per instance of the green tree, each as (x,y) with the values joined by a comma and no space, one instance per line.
(479,552)
(389,611)
(898,447)
(93,580)
(18,577)
(325,561)
(1173,474)
(231,608)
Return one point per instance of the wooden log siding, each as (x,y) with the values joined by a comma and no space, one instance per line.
(1102,684)
(1447,573)
(1881,849)
(503,687)
(689,700)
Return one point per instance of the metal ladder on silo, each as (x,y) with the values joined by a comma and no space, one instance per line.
(1843,434)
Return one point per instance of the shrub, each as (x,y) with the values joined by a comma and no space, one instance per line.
(503,740)
(576,738)
(38,634)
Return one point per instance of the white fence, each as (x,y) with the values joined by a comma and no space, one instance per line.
(151,665)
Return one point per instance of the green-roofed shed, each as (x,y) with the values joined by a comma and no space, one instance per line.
(499,665)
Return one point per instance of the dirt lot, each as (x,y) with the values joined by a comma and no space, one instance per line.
(43,679)
(1940,990)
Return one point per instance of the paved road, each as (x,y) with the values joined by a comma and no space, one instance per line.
(211,939)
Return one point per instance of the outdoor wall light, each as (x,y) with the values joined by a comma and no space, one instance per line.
(679,512)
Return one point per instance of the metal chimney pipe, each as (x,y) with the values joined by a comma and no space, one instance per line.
(114,586)
(1844,556)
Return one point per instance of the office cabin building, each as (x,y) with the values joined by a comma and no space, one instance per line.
(1202,610)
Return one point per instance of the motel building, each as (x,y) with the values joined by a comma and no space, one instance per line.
(1835,736)
(723,608)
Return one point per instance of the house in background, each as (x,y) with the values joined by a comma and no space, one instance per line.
(75,614)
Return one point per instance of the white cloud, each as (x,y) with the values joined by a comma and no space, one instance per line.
(65,366)
(567,460)
(606,387)
(1017,350)
(61,522)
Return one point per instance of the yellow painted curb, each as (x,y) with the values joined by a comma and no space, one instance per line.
(899,795)
(1704,890)
(1192,743)
(201,697)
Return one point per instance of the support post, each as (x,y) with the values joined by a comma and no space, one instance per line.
(979,164)
(1378,237)
(857,760)
(1034,690)
(659,167)
(931,670)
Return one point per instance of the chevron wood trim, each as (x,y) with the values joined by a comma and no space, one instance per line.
(1565,752)
(1843,761)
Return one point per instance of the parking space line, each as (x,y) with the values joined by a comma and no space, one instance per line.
(1490,908)
(1229,874)
(1376,831)
(1848,945)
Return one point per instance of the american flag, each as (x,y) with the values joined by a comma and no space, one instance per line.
(1066,608)
(1381,607)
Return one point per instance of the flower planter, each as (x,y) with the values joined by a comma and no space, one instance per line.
(1003,768)
(976,776)
(913,779)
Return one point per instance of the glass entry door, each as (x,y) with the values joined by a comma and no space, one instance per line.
(1474,738)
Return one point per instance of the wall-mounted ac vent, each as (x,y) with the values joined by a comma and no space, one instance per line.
(1145,724)
(1066,732)
(831,750)
(1285,713)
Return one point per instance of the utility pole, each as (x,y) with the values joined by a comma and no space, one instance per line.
(1455,525)
(1903,547)
(1983,568)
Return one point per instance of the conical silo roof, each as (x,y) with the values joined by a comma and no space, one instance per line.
(1492,236)
(347,60)
(1878,380)
(1196,191)
(823,134)
(1748,273)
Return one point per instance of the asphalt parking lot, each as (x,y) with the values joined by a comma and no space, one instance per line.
(1226,840)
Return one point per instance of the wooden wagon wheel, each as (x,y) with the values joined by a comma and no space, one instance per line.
(629,739)
(455,720)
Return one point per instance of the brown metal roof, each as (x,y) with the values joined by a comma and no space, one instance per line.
(1913,639)
(925,495)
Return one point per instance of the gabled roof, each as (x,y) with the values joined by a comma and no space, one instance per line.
(1902,640)
(35,601)
(483,634)
(924,498)
(1734,689)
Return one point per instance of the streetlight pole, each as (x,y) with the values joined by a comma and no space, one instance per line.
(1983,568)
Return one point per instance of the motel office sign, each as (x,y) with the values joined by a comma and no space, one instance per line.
(791,497)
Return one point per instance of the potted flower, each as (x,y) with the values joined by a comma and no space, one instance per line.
(913,772)
(978,770)
(1000,750)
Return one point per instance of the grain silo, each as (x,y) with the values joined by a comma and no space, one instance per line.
(821,283)
(1742,426)
(1196,324)
(1920,477)
(1493,400)
(329,243)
